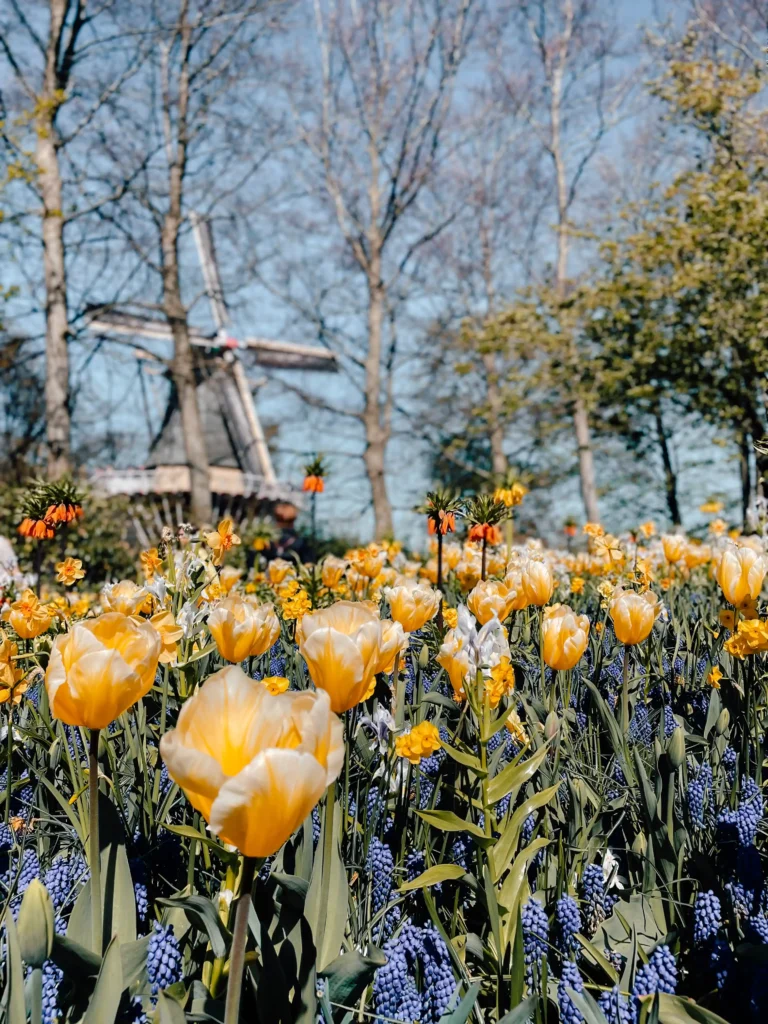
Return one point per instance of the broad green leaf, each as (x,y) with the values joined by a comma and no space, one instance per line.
(14,994)
(104,1003)
(350,974)
(510,895)
(461,1014)
(506,846)
(679,1010)
(522,1013)
(594,954)
(192,833)
(447,821)
(202,914)
(515,775)
(169,1011)
(617,930)
(328,912)
(133,959)
(468,760)
(434,875)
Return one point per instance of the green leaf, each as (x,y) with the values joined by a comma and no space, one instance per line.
(104,1003)
(586,1003)
(468,760)
(328,913)
(679,1010)
(192,833)
(522,1013)
(515,775)
(434,875)
(350,974)
(201,914)
(594,954)
(294,887)
(133,959)
(506,845)
(447,821)
(74,959)
(14,994)
(511,892)
(616,932)
(461,1014)
(169,1011)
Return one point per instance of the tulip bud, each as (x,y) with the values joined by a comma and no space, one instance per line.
(723,721)
(551,725)
(423,656)
(35,924)
(676,748)
(640,844)
(657,750)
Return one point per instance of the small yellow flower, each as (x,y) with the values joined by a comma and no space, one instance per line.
(221,540)
(599,626)
(711,508)
(150,563)
(516,728)
(422,741)
(510,496)
(718,527)
(714,677)
(450,617)
(593,530)
(577,584)
(502,682)
(605,589)
(665,583)
(275,684)
(69,571)
(296,605)
(751,637)
(648,528)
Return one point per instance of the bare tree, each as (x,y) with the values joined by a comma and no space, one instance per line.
(370,94)
(59,87)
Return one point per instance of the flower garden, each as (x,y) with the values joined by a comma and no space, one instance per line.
(496,782)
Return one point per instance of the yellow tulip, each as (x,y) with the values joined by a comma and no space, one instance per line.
(278,569)
(633,614)
(228,577)
(394,640)
(674,545)
(537,580)
(513,581)
(28,616)
(452,555)
(254,764)
(124,597)
(412,605)
(454,658)
(170,633)
(332,570)
(565,636)
(491,598)
(100,668)
(343,646)
(242,628)
(741,573)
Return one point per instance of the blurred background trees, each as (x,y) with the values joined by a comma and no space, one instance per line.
(532,232)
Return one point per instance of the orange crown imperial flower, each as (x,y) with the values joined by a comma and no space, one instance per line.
(485,531)
(46,506)
(313,483)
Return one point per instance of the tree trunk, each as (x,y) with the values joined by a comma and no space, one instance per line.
(183,368)
(499,463)
(57,412)
(670,477)
(376,432)
(745,449)
(586,461)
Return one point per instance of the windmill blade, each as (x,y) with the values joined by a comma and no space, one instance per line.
(287,355)
(207,255)
(116,321)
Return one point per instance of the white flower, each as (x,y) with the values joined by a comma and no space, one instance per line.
(190,618)
(611,871)
(485,647)
(381,723)
(158,588)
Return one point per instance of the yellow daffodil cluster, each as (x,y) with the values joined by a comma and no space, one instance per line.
(421,741)
(751,637)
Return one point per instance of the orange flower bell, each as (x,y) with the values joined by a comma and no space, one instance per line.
(485,531)
(314,484)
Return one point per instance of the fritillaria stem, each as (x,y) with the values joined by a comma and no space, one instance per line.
(239,940)
(94,852)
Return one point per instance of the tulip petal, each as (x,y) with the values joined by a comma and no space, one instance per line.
(336,665)
(198,774)
(267,801)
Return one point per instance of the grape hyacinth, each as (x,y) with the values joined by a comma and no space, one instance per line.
(720,962)
(744,820)
(616,1008)
(62,877)
(570,978)
(568,921)
(535,940)
(593,894)
(756,929)
(706,917)
(438,976)
(164,966)
(379,865)
(698,791)
(658,975)
(640,726)
(52,976)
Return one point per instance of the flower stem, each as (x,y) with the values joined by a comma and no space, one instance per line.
(625,694)
(94,852)
(8,780)
(440,577)
(239,940)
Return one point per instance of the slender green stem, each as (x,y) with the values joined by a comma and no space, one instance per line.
(36,996)
(164,699)
(625,694)
(94,853)
(239,940)
(8,779)
(440,577)
(399,694)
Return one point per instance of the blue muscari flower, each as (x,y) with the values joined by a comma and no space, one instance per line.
(502,807)
(409,1007)
(62,877)
(658,975)
(164,965)
(744,820)
(593,895)
(410,680)
(526,833)
(137,1012)
(461,851)
(699,789)
(617,1009)
(51,979)
(6,835)
(27,870)
(535,940)
(669,720)
(756,929)
(142,901)
(276,659)
(439,982)
(742,898)
(495,742)
(379,865)
(389,983)
(570,978)
(640,726)
(706,917)
(729,763)
(426,792)
(375,807)
(568,921)
(720,962)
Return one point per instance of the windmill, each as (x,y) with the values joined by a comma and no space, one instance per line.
(241,472)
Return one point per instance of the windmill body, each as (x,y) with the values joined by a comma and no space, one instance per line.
(240,464)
